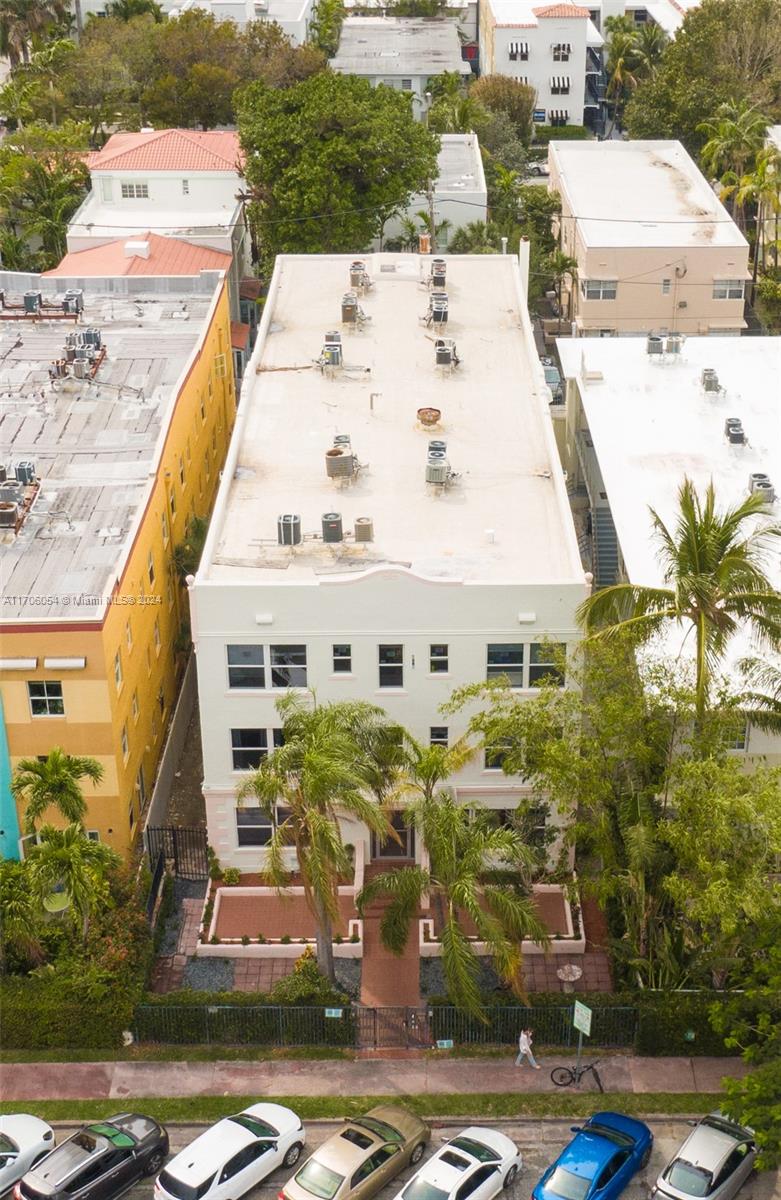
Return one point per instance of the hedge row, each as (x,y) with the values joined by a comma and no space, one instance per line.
(43,1014)
(560,133)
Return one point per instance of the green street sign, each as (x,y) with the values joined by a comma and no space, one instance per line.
(333,1012)
(581,1018)
(445,1044)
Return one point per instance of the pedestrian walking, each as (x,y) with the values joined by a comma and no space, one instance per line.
(525,1050)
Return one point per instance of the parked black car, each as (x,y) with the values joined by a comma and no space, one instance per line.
(99,1162)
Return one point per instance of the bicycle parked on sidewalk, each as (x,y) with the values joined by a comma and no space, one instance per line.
(566,1076)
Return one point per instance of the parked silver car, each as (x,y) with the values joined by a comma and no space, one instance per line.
(712,1164)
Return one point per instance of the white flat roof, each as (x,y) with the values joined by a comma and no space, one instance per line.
(641,194)
(399,46)
(96,219)
(93,442)
(459,163)
(652,423)
(774,135)
(505,519)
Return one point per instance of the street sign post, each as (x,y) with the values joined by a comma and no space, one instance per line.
(581,1020)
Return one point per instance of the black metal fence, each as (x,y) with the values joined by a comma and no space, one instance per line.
(186,848)
(360,1027)
(158,878)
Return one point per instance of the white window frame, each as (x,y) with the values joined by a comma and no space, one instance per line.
(134,191)
(666,286)
(561,51)
(439,662)
(185,187)
(391,666)
(262,822)
(134,706)
(495,670)
(541,668)
(234,668)
(45,698)
(260,748)
(599,289)
(339,660)
(439,735)
(281,663)
(125,741)
(118,670)
(729,289)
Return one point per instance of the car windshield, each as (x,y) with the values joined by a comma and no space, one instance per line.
(184,1191)
(685,1177)
(7,1146)
(319,1180)
(383,1130)
(259,1128)
(723,1126)
(476,1149)
(421,1189)
(612,1135)
(568,1186)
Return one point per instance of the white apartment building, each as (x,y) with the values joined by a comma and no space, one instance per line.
(640,416)
(656,249)
(400,52)
(553,48)
(388,527)
(294,16)
(460,195)
(668,14)
(180,183)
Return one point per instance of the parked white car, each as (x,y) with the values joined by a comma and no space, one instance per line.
(23,1141)
(476,1165)
(714,1162)
(234,1155)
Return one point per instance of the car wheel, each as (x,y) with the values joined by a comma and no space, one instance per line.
(293,1155)
(510,1177)
(154,1162)
(646,1156)
(417,1153)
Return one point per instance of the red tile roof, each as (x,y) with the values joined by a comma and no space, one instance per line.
(168,150)
(167,256)
(561,10)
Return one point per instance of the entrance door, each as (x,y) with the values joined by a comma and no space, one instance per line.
(389,847)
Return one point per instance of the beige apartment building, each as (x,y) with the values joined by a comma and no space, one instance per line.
(657,251)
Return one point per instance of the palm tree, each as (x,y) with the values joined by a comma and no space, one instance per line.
(22,20)
(714,565)
(762,700)
(321,772)
(475,238)
(651,41)
(126,10)
(760,188)
(463,849)
(562,266)
(20,917)
(425,768)
(187,554)
(622,72)
(67,861)
(736,134)
(54,783)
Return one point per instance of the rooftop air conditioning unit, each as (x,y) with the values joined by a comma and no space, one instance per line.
(759,482)
(734,431)
(364,529)
(289,529)
(25,472)
(654,344)
(73,301)
(710,380)
(33,302)
(673,343)
(9,514)
(339,463)
(349,308)
(332,527)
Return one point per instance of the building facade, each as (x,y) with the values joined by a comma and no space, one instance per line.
(105,464)
(656,250)
(555,49)
(180,183)
(640,417)
(405,575)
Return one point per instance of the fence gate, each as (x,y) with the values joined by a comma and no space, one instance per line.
(184,848)
(398,1028)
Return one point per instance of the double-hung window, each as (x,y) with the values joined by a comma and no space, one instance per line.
(391,661)
(506,658)
(135,191)
(46,698)
(598,289)
(438,735)
(288,666)
(342,658)
(253,827)
(729,289)
(495,756)
(245,667)
(438,658)
(248,747)
(545,663)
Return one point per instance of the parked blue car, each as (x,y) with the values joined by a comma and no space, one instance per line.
(599,1161)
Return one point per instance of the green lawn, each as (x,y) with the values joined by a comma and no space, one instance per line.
(150,1053)
(209,1108)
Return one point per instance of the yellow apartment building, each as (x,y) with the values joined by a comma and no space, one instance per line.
(115,422)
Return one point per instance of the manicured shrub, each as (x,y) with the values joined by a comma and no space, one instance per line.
(231,876)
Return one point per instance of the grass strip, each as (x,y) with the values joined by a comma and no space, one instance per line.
(481,1104)
(149,1053)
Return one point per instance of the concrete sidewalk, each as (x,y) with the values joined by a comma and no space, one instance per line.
(363,1077)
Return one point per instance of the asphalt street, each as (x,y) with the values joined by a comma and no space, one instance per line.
(539,1140)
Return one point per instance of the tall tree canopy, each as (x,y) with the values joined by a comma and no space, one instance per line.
(329,160)
(725,50)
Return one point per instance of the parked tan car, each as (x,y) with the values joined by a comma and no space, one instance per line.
(361,1158)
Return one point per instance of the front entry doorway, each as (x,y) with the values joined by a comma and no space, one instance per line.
(389,848)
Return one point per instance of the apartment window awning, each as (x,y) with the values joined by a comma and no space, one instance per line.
(519,49)
(560,83)
(561,47)
(559,114)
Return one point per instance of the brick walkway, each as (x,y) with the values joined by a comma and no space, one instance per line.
(260,974)
(168,971)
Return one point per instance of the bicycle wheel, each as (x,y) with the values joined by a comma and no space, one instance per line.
(562,1076)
